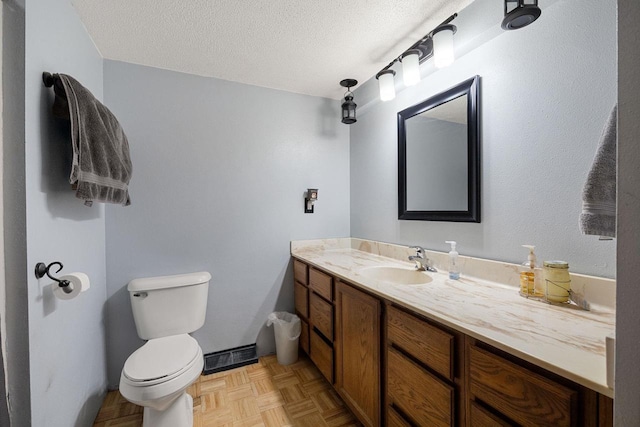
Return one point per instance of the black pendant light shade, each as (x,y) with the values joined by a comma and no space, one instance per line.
(348,106)
(519,13)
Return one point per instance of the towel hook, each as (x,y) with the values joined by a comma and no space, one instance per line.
(42,269)
(47,79)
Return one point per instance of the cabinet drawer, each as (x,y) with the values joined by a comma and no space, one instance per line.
(301,296)
(322,355)
(522,395)
(304,336)
(321,315)
(422,396)
(321,284)
(480,417)
(427,343)
(300,271)
(394,419)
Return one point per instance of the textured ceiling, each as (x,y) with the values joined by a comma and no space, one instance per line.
(300,46)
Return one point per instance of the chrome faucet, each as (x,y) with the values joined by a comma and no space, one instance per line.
(422,262)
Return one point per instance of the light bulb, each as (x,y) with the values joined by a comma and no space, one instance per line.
(443,53)
(410,67)
(387,85)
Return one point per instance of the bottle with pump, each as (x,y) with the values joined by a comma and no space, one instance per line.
(454,269)
(528,277)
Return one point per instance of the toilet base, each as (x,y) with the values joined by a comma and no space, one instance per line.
(178,414)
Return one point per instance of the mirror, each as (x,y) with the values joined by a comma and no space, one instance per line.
(439,157)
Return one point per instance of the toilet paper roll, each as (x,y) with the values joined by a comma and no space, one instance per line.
(79,282)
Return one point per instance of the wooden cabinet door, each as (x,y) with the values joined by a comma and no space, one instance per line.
(426,399)
(321,355)
(321,283)
(428,344)
(357,344)
(522,395)
(304,336)
(321,315)
(300,272)
(301,299)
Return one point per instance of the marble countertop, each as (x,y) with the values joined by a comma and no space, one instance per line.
(564,340)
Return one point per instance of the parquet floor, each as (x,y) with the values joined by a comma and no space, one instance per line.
(264,394)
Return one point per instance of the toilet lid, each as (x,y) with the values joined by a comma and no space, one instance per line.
(161,358)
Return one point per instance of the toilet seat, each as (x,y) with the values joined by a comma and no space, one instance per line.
(161,359)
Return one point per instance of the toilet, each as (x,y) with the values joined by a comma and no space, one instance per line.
(156,376)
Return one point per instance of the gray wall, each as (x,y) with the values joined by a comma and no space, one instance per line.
(544,100)
(219,173)
(627,410)
(17,321)
(66,338)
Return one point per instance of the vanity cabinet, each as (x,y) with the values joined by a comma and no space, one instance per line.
(358,324)
(394,367)
(424,381)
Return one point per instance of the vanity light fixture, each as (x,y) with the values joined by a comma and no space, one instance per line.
(437,43)
(348,106)
(519,13)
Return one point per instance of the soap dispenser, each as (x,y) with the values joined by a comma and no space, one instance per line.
(528,277)
(454,270)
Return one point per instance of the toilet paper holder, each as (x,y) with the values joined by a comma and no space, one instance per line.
(42,269)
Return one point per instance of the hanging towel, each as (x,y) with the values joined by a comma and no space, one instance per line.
(599,195)
(101,167)
(60,105)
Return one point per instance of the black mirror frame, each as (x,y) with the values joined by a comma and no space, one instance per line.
(471,88)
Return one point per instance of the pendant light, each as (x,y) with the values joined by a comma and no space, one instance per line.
(348,106)
(443,54)
(411,66)
(386,84)
(521,14)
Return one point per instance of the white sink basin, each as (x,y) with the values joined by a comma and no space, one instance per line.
(397,275)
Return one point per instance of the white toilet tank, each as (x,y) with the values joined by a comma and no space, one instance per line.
(169,305)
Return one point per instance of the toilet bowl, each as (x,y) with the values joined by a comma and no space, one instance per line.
(157,375)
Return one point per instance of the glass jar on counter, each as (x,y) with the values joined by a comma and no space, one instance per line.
(557,282)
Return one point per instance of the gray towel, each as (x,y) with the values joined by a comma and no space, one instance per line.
(101,167)
(599,195)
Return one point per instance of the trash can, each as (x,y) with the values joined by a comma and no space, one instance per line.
(287,331)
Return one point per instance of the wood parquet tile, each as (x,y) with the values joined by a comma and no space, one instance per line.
(265,394)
